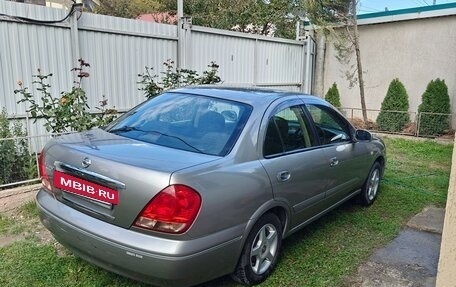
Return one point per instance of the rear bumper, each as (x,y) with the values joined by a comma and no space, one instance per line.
(158,261)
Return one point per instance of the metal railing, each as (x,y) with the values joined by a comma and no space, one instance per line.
(418,124)
(19,159)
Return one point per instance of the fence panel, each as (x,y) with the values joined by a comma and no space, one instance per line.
(280,64)
(25,47)
(18,164)
(390,124)
(234,55)
(415,124)
(118,50)
(434,124)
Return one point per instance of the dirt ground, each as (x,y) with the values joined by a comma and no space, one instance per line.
(11,202)
(10,207)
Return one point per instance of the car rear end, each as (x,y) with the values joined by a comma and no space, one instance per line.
(119,211)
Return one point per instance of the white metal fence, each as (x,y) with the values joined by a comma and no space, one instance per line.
(118,50)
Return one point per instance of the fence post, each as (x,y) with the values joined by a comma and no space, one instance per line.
(307,70)
(184,27)
(255,63)
(27,131)
(74,39)
(418,125)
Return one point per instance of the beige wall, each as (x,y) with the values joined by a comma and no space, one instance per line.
(415,51)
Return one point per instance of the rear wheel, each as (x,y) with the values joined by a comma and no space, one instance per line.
(371,187)
(261,251)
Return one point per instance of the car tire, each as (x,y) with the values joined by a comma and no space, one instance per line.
(261,251)
(371,186)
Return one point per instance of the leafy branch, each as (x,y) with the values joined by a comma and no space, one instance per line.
(70,111)
(172,78)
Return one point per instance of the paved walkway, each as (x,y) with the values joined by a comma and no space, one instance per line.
(411,259)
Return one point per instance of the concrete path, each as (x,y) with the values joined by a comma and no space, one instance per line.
(411,259)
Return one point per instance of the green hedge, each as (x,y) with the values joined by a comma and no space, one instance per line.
(435,100)
(16,163)
(391,118)
(333,96)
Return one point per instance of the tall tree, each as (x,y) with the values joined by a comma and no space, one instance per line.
(128,8)
(265,17)
(355,41)
(338,19)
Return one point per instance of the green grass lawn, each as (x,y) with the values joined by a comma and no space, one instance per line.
(325,253)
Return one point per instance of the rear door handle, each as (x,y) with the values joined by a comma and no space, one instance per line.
(334,161)
(283,175)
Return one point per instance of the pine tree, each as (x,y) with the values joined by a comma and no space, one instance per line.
(333,96)
(435,100)
(393,114)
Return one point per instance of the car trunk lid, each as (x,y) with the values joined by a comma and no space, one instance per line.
(106,175)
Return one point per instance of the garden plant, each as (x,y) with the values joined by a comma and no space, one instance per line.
(333,96)
(394,110)
(435,109)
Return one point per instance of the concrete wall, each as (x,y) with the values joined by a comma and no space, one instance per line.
(447,261)
(415,51)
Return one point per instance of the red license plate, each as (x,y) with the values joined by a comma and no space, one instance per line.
(85,188)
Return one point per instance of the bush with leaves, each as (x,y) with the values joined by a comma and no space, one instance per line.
(435,109)
(70,111)
(16,163)
(172,78)
(393,116)
(333,96)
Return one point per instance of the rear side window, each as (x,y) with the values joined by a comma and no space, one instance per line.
(287,131)
(185,121)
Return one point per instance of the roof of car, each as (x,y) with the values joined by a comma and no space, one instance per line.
(249,95)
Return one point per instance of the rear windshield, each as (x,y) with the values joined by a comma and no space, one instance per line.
(185,121)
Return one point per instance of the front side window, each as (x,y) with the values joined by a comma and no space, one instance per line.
(331,128)
(287,131)
(185,121)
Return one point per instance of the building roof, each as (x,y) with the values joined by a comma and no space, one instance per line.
(439,10)
(159,17)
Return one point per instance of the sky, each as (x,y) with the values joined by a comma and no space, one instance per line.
(372,6)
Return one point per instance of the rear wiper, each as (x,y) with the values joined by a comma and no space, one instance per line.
(179,139)
(131,128)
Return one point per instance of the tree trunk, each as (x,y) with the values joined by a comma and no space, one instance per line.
(358,61)
(318,89)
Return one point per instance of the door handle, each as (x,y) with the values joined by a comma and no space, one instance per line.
(283,175)
(333,161)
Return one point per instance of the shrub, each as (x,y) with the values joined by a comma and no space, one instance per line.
(16,163)
(435,100)
(396,99)
(173,78)
(70,111)
(333,96)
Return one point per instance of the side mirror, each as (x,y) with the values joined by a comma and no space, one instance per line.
(363,135)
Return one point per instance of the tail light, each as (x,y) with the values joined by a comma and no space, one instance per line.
(172,210)
(43,172)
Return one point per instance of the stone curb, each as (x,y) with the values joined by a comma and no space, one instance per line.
(19,190)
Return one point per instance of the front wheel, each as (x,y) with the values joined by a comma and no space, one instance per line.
(261,251)
(371,187)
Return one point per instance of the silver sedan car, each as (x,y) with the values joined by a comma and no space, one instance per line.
(201,182)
